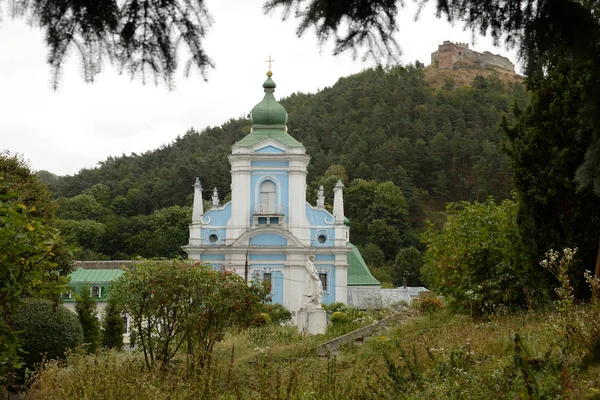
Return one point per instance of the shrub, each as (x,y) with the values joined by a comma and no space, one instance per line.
(429,303)
(477,259)
(47,331)
(277,313)
(338,317)
(333,307)
(178,304)
(262,319)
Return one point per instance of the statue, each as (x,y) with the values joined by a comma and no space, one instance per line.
(314,288)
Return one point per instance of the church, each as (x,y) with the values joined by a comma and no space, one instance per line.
(269,231)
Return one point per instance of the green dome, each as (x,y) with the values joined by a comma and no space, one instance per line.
(269,111)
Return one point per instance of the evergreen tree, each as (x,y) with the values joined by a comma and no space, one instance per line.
(407,267)
(86,312)
(113,327)
(548,144)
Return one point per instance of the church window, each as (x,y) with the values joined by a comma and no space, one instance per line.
(96,292)
(323,278)
(213,238)
(322,238)
(267,277)
(267,197)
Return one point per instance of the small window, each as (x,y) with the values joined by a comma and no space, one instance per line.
(322,238)
(213,238)
(95,292)
(125,325)
(323,278)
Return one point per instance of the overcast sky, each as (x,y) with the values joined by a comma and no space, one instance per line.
(80,124)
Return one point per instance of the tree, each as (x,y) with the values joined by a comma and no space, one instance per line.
(477,258)
(48,331)
(33,258)
(86,312)
(26,245)
(86,234)
(113,327)
(379,214)
(26,187)
(407,267)
(542,29)
(547,146)
(179,304)
(141,38)
(333,174)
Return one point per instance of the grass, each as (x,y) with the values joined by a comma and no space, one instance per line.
(437,356)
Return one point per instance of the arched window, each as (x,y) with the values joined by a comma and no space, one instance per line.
(267,197)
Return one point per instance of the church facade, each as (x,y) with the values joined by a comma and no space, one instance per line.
(268,230)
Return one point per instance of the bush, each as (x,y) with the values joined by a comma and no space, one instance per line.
(333,307)
(47,331)
(429,303)
(197,304)
(262,319)
(338,317)
(477,259)
(277,313)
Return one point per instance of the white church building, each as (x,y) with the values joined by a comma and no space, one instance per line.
(269,229)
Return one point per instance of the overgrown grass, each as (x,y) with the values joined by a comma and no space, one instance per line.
(437,356)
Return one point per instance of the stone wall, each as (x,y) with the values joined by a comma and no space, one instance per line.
(449,54)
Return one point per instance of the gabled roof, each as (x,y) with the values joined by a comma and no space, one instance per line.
(358,272)
(81,275)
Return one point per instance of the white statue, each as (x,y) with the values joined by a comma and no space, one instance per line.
(314,288)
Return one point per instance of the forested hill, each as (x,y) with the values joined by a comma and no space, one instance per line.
(384,124)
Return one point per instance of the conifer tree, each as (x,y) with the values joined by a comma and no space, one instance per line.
(112,327)
(86,312)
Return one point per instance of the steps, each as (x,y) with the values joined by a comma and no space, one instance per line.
(334,345)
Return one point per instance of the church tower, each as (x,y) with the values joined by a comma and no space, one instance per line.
(268,228)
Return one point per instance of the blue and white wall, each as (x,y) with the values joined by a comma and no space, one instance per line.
(227,234)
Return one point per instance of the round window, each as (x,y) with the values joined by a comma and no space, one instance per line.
(213,238)
(322,238)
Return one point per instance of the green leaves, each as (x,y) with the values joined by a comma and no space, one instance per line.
(172,302)
(26,246)
(477,257)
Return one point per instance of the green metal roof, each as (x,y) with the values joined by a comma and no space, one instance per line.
(258,135)
(358,272)
(95,275)
(269,111)
(268,120)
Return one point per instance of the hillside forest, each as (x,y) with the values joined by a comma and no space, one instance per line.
(403,147)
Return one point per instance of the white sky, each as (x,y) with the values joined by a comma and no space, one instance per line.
(80,124)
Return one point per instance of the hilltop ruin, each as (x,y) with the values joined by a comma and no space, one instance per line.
(449,54)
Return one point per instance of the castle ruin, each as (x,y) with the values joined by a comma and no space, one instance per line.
(449,54)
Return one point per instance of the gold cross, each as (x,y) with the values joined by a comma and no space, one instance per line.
(270,61)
